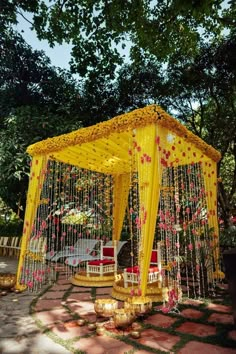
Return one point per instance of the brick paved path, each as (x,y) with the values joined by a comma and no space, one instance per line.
(199,327)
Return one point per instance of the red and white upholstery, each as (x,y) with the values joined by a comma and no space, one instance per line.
(107,262)
(132,274)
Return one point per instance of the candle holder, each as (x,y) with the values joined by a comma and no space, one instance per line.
(7,281)
(123,317)
(105,307)
(140,305)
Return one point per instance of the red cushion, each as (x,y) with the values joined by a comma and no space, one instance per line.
(153,269)
(154,257)
(135,269)
(101,262)
(108,251)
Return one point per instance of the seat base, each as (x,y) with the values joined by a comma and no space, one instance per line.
(81,279)
(155,290)
(131,275)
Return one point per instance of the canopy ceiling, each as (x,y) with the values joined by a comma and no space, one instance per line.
(104,147)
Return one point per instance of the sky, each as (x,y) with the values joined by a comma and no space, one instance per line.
(59,54)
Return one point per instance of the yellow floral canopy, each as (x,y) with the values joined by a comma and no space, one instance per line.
(104,146)
(145,141)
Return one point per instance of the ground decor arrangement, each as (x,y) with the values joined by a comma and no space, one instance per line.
(66,314)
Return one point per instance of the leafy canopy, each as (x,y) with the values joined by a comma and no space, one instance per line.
(99,29)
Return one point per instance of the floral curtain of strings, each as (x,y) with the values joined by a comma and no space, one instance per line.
(75,204)
(184,220)
(185,232)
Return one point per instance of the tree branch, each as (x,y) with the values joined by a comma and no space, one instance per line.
(25,18)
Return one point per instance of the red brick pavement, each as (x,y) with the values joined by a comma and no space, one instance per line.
(196,328)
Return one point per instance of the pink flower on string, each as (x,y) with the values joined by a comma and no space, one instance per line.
(44,224)
(165,309)
(197,267)
(167,213)
(167,242)
(162,217)
(72,248)
(190,247)
(132,292)
(139,292)
(177,245)
(198,245)
(30,284)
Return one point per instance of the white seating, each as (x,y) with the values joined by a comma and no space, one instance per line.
(132,274)
(107,262)
(82,248)
(76,260)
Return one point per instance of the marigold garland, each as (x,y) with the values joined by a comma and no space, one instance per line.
(123,123)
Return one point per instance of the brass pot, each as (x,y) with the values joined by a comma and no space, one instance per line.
(81,322)
(7,280)
(140,305)
(123,317)
(105,307)
(92,326)
(135,334)
(100,331)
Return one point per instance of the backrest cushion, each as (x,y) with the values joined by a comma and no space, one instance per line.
(108,251)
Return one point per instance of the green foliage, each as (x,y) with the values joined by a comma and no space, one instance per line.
(98,29)
(228,237)
(37,101)
(12,228)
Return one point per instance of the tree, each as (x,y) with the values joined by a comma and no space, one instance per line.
(99,29)
(202,92)
(37,101)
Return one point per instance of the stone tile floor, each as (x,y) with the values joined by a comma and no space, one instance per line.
(198,327)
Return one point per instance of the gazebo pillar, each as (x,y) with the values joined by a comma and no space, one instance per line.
(150,179)
(39,165)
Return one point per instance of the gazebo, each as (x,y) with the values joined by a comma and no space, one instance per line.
(143,166)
